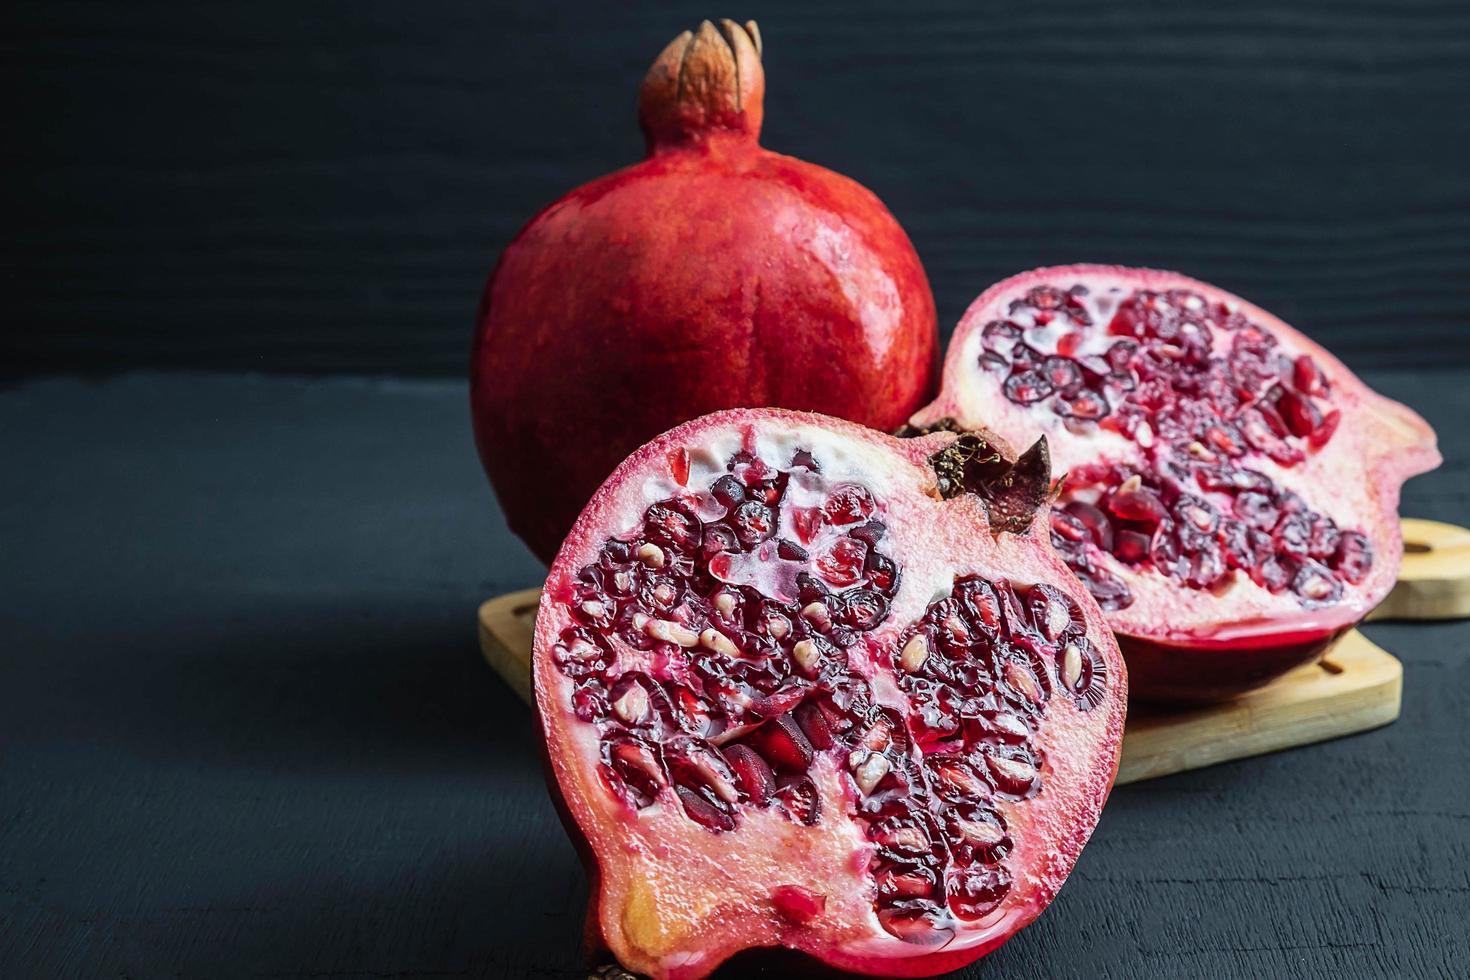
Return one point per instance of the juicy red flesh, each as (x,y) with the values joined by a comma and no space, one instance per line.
(731,692)
(1195,512)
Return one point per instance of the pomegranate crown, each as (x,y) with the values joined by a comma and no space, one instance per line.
(1013,491)
(705,82)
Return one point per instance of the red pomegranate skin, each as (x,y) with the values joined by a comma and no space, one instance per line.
(714,274)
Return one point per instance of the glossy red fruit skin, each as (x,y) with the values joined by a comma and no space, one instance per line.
(1378,445)
(714,274)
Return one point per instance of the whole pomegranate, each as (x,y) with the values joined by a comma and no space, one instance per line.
(810,686)
(1231,488)
(714,274)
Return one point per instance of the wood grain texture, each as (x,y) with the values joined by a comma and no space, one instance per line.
(1434,580)
(245,730)
(279,186)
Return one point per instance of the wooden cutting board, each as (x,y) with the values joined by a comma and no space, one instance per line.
(1354,687)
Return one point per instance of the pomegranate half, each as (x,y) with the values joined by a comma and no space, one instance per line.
(807,685)
(1231,488)
(714,274)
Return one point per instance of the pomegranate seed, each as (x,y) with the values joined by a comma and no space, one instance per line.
(752,773)
(1026,387)
(1306,377)
(847,504)
(843,564)
(1354,557)
(801,803)
(783,744)
(798,904)
(1323,433)
(1137,504)
(1131,546)
(1301,416)
(976,892)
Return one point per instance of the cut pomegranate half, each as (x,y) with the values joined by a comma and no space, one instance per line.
(811,686)
(1231,488)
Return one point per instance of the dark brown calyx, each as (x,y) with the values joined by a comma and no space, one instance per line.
(1012,491)
(706,81)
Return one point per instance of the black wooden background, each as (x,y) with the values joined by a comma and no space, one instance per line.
(322,186)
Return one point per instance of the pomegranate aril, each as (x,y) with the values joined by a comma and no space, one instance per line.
(783,744)
(848,503)
(1354,557)
(798,904)
(800,802)
(1324,432)
(882,573)
(671,526)
(634,770)
(1026,387)
(1063,374)
(842,565)
(1315,584)
(975,834)
(1137,503)
(1301,416)
(589,701)
(1014,777)
(1306,377)
(752,773)
(956,779)
(704,811)
(1131,546)
(1000,334)
(753,522)
(1096,522)
(728,491)
(1272,574)
(860,609)
(1088,406)
(1068,526)
(1293,535)
(697,764)
(1257,510)
(899,881)
(1083,673)
(976,892)
(814,726)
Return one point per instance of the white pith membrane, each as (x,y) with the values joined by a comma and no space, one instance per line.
(893,780)
(1276,466)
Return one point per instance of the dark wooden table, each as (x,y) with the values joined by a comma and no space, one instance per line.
(245,731)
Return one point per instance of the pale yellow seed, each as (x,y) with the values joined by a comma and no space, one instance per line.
(778,628)
(713,639)
(671,632)
(870,772)
(1071,665)
(817,614)
(1132,484)
(1011,769)
(980,833)
(807,655)
(725,604)
(593,609)
(915,653)
(650,554)
(633,705)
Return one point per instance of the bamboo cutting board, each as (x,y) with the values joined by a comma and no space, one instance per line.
(1356,685)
